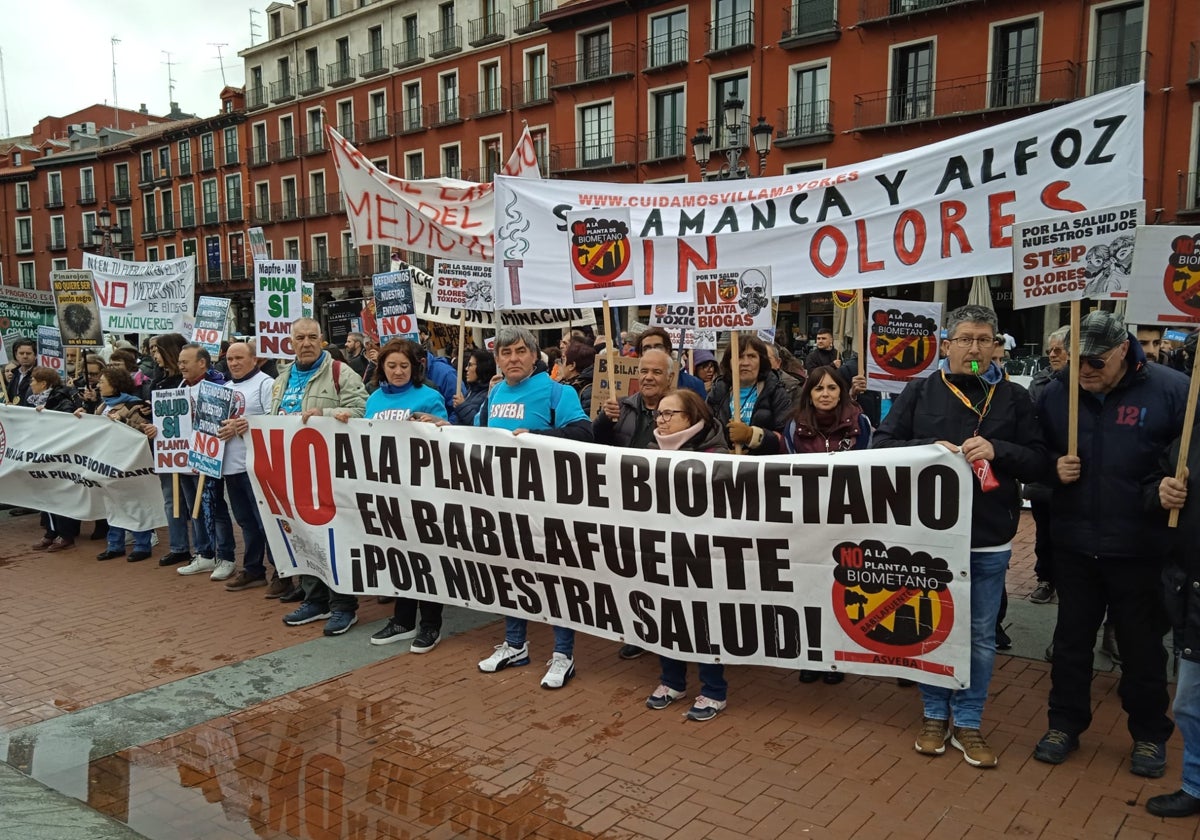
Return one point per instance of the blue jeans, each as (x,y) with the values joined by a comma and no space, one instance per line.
(215,515)
(1187,720)
(965,705)
(202,539)
(515,631)
(177,528)
(116,540)
(245,511)
(712,677)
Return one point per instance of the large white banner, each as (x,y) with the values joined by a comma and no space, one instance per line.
(859,562)
(933,212)
(49,462)
(534,319)
(1165,288)
(144,297)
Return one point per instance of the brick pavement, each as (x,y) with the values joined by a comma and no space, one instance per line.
(429,747)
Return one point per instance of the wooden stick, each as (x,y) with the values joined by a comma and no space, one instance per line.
(1073,385)
(736,378)
(608,351)
(199,497)
(1185,443)
(175,495)
(462,340)
(860,341)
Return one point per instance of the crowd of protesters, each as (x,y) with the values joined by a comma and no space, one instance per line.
(1100,513)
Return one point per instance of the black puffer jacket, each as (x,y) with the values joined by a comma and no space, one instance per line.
(469,407)
(928,411)
(1181,572)
(771,412)
(63,398)
(621,432)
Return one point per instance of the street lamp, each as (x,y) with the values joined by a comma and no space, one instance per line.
(106,237)
(732,111)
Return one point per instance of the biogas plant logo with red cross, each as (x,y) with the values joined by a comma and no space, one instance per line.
(3,443)
(894,602)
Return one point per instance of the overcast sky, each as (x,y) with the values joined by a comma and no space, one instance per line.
(57,55)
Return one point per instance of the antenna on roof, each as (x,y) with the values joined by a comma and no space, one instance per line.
(4,90)
(254,27)
(220,61)
(113,41)
(170,81)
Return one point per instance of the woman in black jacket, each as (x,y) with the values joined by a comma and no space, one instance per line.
(477,375)
(765,406)
(48,393)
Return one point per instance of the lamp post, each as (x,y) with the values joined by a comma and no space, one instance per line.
(106,237)
(734,166)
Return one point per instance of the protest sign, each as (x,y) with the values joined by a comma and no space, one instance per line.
(1165,288)
(933,212)
(679,320)
(22,311)
(143,297)
(212,318)
(533,319)
(258,243)
(52,461)
(394,311)
(902,342)
(276,306)
(339,315)
(601,256)
(733,299)
(308,294)
(214,404)
(621,384)
(77,308)
(463,285)
(1079,255)
(50,350)
(798,561)
(172,415)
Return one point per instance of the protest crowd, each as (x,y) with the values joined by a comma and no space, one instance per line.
(1103,546)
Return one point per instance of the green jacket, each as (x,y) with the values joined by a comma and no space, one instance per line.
(322,392)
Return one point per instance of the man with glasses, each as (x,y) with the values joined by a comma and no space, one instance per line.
(969,407)
(1107,539)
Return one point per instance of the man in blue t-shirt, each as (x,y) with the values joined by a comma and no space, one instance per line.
(527,400)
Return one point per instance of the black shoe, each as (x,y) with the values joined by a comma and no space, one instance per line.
(296,595)
(21,511)
(630,652)
(1177,804)
(1055,746)
(1149,759)
(108,555)
(426,640)
(903,683)
(832,677)
(99,532)
(807,677)
(138,556)
(175,558)
(1003,642)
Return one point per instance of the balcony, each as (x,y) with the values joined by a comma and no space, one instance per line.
(486,30)
(229,157)
(804,124)
(446,112)
(256,97)
(149,227)
(809,22)
(166,225)
(531,92)
(723,138)
(375,128)
(310,81)
(483,174)
(316,270)
(878,10)
(604,152)
(211,216)
(667,51)
(408,53)
(409,120)
(1104,74)
(445,41)
(185,166)
(146,177)
(234,211)
(259,155)
(485,103)
(208,161)
(164,173)
(283,90)
(261,214)
(312,143)
(665,144)
(323,204)
(282,150)
(1189,193)
(347,131)
(374,63)
(121,193)
(528,17)
(54,199)
(85,195)
(730,34)
(187,218)
(1193,71)
(594,66)
(341,72)
(956,98)
(286,211)
(56,243)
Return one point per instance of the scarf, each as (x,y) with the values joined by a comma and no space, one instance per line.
(749,400)
(674,442)
(113,402)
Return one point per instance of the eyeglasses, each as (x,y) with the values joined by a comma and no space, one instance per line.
(1054,351)
(1098,362)
(667,413)
(964,342)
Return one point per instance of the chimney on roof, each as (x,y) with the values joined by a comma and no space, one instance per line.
(142,110)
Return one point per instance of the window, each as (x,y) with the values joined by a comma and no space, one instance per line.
(597,53)
(489,88)
(149,214)
(121,176)
(23,196)
(87,186)
(302,15)
(381,164)
(668,122)
(331,9)
(451,162)
(378,114)
(147,171)
(734,24)
(414,166)
(262,201)
(345,124)
(25,272)
(449,103)
(208,195)
(316,193)
(258,149)
(411,32)
(375,43)
(233,198)
(316,132)
(212,253)
(89,224)
(912,82)
(541,148)
(58,233)
(730,87)
(537,84)
(24,235)
(54,190)
(255,94)
(187,205)
(410,47)
(341,71)
(125,222)
(58,265)
(412,106)
(289,198)
(489,155)
(291,249)
(152,253)
(668,39)
(207,156)
(1118,47)
(809,113)
(185,157)
(189,247)
(230,141)
(282,89)
(1014,64)
(596,129)
(446,15)
(168,210)
(287,137)
(169,252)
(276,25)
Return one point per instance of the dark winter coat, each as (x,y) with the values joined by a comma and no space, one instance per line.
(469,407)
(1181,574)
(63,398)
(771,412)
(621,433)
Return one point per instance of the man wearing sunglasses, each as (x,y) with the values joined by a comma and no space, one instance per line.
(1107,540)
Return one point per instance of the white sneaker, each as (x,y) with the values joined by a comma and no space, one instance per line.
(224,570)
(199,564)
(505,657)
(561,669)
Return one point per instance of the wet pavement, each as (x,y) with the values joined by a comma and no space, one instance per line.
(136,702)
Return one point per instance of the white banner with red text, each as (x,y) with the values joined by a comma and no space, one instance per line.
(859,563)
(934,212)
(48,462)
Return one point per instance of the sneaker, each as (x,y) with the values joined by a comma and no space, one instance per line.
(278,587)
(199,564)
(307,613)
(662,697)
(1055,746)
(1149,759)
(43,544)
(931,740)
(705,708)
(630,652)
(223,571)
(1003,642)
(1043,593)
(974,748)
(60,544)
(174,558)
(393,631)
(426,640)
(1108,643)
(339,622)
(1177,804)
(560,669)
(243,581)
(505,656)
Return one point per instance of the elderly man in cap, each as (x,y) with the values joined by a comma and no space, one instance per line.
(1107,542)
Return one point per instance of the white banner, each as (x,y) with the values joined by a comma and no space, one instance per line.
(860,561)
(49,462)
(933,212)
(1080,255)
(1165,288)
(277,303)
(534,319)
(144,297)
(902,342)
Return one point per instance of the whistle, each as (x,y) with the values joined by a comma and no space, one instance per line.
(975,367)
